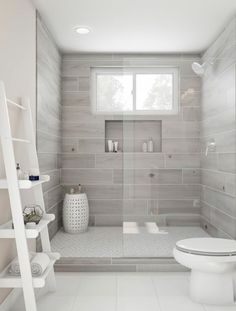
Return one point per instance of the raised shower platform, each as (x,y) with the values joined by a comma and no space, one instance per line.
(109,249)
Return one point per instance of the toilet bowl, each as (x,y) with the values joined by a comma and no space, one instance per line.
(213,264)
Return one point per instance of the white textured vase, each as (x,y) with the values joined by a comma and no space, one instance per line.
(75,213)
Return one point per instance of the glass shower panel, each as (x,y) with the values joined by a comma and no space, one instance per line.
(142,236)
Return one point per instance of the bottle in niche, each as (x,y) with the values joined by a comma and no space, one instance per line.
(18,171)
(144,147)
(110,145)
(79,188)
(116,146)
(150,145)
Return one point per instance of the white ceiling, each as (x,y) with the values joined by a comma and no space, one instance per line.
(154,26)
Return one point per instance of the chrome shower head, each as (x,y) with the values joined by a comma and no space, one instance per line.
(198,68)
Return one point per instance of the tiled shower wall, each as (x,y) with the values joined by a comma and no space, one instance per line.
(172,195)
(218,124)
(49,121)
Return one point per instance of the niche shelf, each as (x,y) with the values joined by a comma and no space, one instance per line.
(131,134)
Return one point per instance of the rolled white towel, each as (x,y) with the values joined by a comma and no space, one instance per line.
(15,266)
(39,264)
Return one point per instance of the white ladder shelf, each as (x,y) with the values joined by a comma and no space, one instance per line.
(14,186)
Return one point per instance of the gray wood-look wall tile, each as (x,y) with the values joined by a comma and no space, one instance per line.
(193,83)
(104,192)
(83,130)
(86,176)
(54,196)
(104,207)
(180,145)
(219,200)
(109,160)
(143,160)
(223,221)
(49,120)
(223,97)
(91,145)
(135,207)
(78,161)
(148,176)
(69,145)
(209,161)
(158,207)
(70,84)
(218,123)
(133,129)
(47,161)
(191,113)
(223,122)
(182,160)
(191,176)
(80,113)
(109,220)
(227,162)
(75,99)
(220,181)
(180,129)
(55,180)
(48,143)
(162,192)
(190,98)
(84,133)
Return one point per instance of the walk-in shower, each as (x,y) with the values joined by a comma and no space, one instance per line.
(161,185)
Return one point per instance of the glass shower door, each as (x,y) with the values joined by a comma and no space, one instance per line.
(144,234)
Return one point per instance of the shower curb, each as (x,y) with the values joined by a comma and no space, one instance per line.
(116,264)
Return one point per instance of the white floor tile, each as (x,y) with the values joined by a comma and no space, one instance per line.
(95,304)
(48,302)
(172,285)
(97,286)
(19,305)
(121,292)
(220,308)
(178,303)
(138,304)
(51,302)
(67,286)
(135,287)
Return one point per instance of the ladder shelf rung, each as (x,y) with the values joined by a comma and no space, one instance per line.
(20,140)
(7,232)
(8,281)
(26,184)
(15,104)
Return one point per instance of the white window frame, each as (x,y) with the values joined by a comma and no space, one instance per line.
(95,71)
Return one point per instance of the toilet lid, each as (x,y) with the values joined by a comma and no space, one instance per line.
(208,246)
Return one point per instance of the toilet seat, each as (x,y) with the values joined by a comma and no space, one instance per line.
(207,246)
(212,262)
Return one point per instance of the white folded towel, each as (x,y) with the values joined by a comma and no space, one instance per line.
(15,266)
(38,262)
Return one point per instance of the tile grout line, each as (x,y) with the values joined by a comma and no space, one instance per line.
(156,292)
(117,292)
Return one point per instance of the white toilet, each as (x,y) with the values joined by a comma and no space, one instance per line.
(213,263)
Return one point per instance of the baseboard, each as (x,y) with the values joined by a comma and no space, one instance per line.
(10,300)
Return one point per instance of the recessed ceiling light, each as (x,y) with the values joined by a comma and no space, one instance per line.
(82,30)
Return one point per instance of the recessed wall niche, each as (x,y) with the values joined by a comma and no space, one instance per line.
(131,135)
